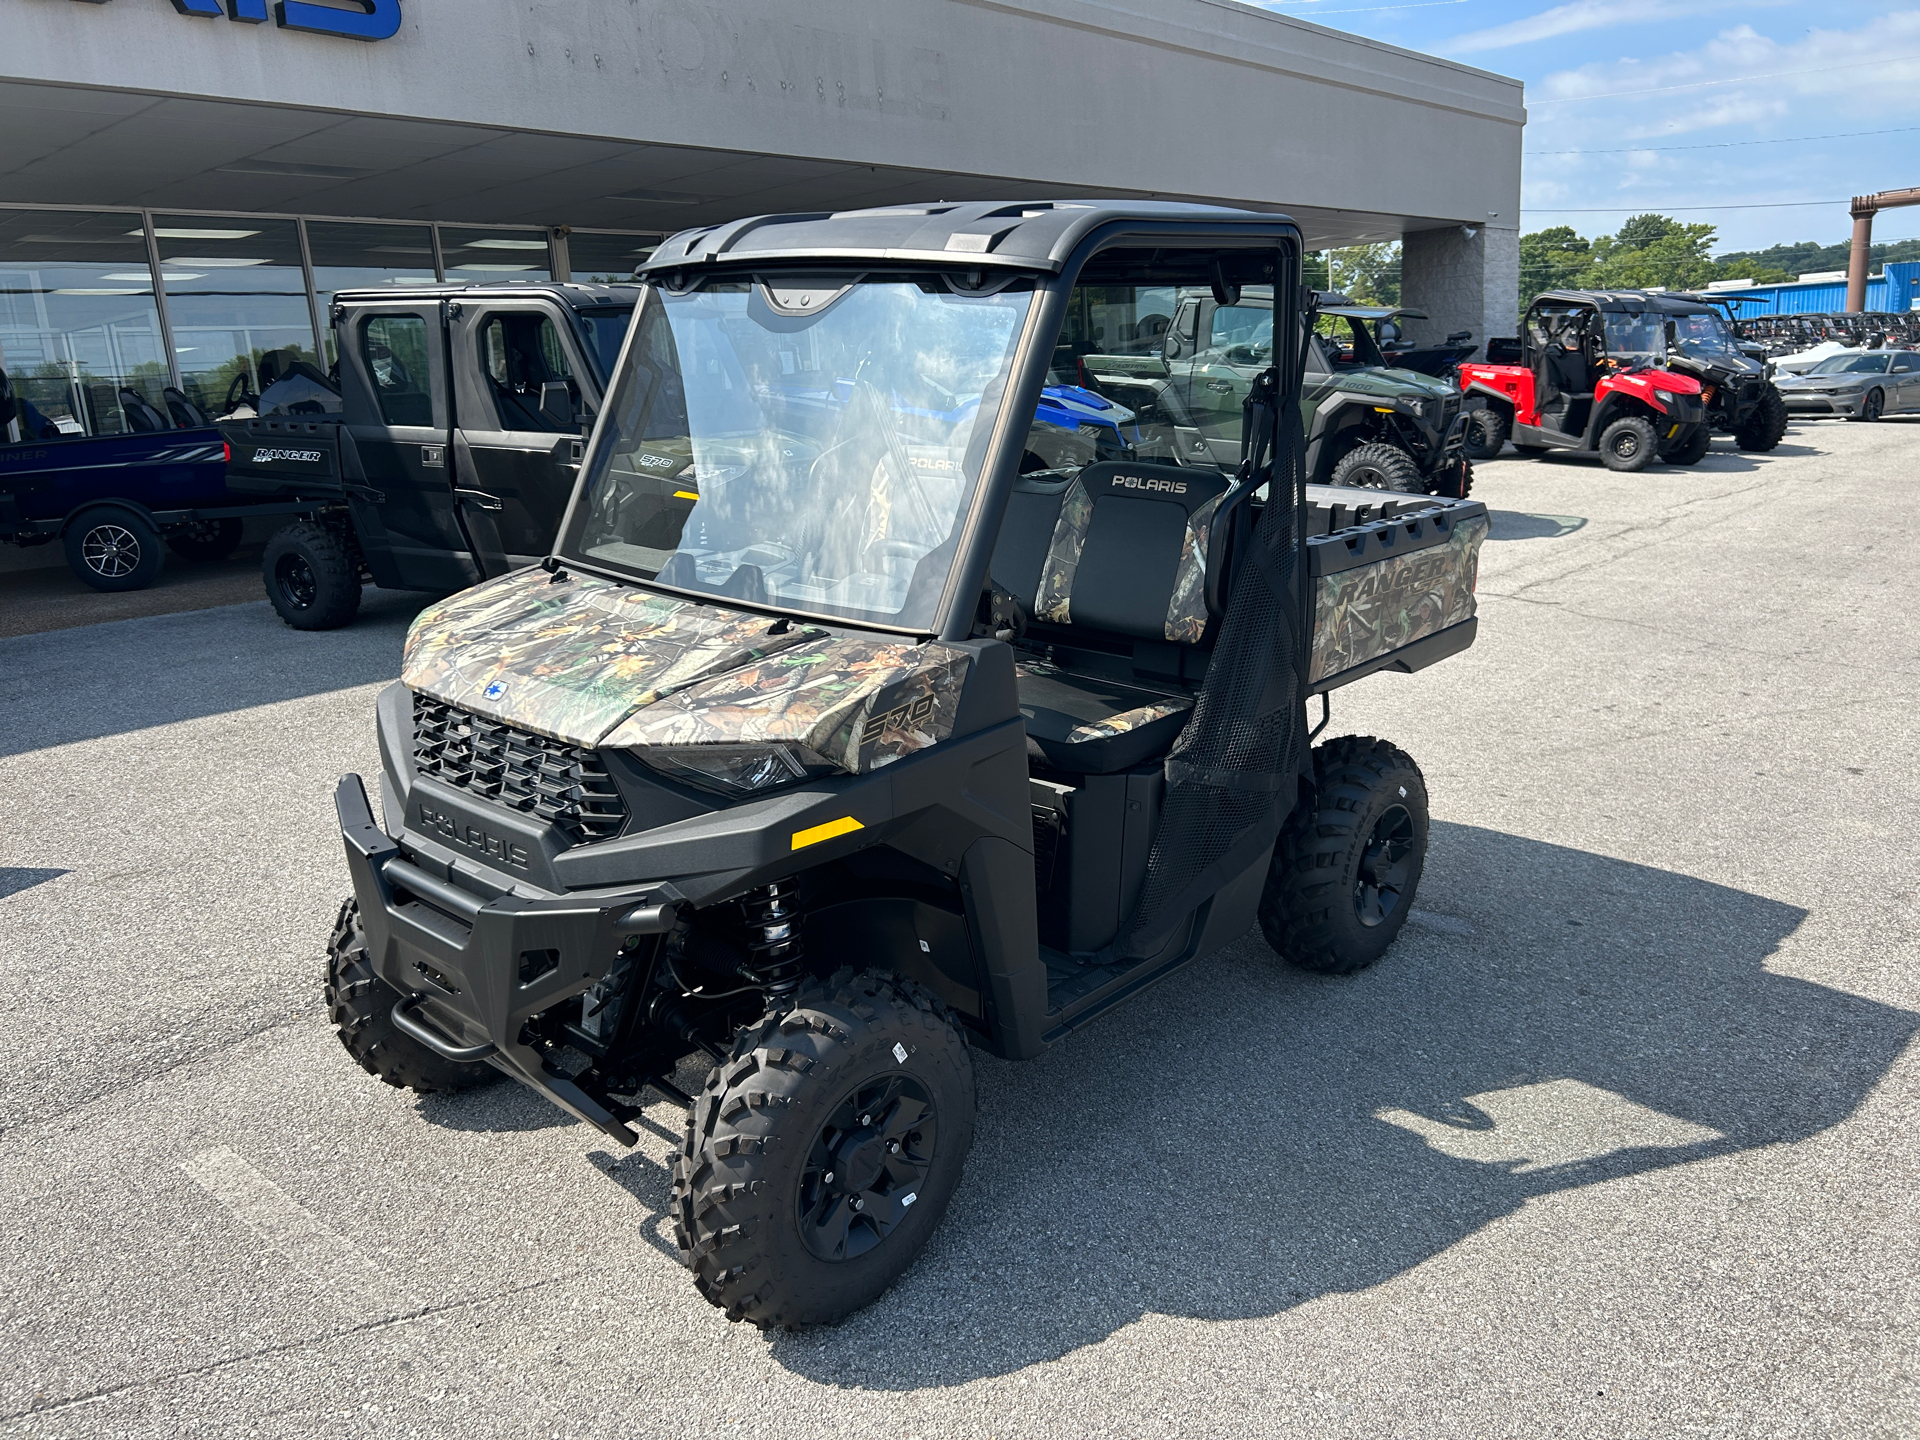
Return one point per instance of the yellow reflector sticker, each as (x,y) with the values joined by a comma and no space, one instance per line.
(685,495)
(845,825)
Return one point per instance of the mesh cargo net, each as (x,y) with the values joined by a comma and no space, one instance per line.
(1232,776)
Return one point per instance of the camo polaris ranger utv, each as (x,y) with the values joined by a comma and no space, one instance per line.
(828,745)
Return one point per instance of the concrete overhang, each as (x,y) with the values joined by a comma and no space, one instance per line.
(617,114)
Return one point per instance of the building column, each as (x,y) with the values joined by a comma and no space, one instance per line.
(1463,281)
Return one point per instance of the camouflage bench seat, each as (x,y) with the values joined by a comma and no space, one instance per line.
(1109,563)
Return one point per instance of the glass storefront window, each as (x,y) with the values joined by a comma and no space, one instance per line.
(599,259)
(237,302)
(79,331)
(351,256)
(481,257)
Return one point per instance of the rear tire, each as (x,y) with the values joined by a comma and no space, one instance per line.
(1692,450)
(1628,445)
(1486,434)
(312,577)
(863,1092)
(1379,466)
(206,539)
(1766,426)
(361,1005)
(114,549)
(1348,862)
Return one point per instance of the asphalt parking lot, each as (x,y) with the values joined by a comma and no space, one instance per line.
(1621,1139)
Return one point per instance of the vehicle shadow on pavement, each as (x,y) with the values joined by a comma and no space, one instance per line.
(1519,525)
(1250,1138)
(63,686)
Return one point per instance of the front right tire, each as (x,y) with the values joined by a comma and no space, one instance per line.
(1692,450)
(820,1156)
(1767,425)
(360,1004)
(1486,434)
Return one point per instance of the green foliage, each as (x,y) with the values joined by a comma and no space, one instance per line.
(1787,261)
(1367,274)
(1657,250)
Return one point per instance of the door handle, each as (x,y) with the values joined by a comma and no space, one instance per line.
(1223,386)
(434,455)
(480,499)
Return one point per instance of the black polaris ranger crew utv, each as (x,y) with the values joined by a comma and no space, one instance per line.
(442,448)
(829,745)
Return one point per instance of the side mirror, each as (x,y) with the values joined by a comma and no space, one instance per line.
(556,404)
(1673,333)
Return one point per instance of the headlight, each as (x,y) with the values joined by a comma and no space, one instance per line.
(1426,410)
(734,769)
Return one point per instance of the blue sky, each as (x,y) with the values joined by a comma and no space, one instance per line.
(1643,77)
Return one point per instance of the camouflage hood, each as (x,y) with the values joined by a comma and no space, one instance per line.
(583,658)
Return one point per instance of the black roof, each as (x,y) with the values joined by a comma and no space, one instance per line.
(1025,235)
(1634,302)
(580,297)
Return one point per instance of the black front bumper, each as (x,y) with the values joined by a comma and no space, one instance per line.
(473,969)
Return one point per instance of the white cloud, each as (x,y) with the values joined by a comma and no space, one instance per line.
(1560,20)
(1867,69)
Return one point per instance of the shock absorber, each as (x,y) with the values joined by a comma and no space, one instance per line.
(775,954)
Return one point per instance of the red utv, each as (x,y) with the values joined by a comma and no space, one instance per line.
(1588,380)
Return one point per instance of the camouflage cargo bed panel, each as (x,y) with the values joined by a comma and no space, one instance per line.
(1388,573)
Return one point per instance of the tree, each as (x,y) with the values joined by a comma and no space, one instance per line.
(1369,274)
(1552,259)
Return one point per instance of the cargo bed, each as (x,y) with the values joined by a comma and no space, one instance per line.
(1393,581)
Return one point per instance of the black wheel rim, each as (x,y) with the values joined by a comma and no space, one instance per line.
(866,1166)
(110,551)
(1626,444)
(1871,408)
(1385,866)
(295,578)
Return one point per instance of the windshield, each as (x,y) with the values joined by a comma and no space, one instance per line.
(605,330)
(1635,334)
(1704,332)
(1852,365)
(811,449)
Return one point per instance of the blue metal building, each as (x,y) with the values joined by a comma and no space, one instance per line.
(1898,289)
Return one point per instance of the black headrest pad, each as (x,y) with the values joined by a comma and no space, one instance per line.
(1139,480)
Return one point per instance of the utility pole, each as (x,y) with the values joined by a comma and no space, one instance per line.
(1863,209)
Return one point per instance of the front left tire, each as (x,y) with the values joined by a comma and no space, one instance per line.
(820,1156)
(1766,426)
(1377,465)
(1628,445)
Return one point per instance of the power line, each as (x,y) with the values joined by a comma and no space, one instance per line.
(1651,205)
(1365,9)
(1730,144)
(1736,80)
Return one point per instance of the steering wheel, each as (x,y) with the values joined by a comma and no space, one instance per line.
(238,394)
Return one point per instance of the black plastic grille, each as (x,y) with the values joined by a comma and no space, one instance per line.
(549,779)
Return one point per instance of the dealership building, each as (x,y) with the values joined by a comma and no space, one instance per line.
(185,183)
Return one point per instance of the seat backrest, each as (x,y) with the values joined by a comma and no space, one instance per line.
(141,417)
(1129,553)
(186,415)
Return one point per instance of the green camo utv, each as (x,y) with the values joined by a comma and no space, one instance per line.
(830,747)
(1187,377)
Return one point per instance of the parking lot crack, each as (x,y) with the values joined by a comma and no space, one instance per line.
(292,1347)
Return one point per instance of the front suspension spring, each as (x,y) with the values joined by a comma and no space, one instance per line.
(774,949)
